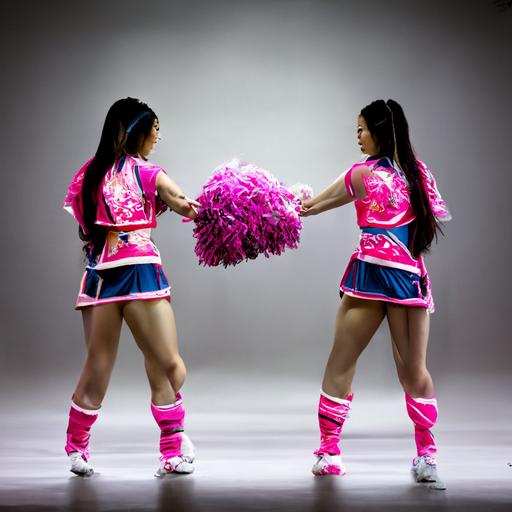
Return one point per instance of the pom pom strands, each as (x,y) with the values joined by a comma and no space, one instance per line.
(244,212)
(302,191)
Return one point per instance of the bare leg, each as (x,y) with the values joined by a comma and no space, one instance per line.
(153,327)
(102,328)
(356,323)
(409,327)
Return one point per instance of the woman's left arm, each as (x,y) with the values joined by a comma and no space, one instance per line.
(171,194)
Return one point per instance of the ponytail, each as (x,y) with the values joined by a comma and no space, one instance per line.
(425,227)
(388,125)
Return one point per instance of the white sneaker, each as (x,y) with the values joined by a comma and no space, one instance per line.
(328,465)
(424,471)
(180,463)
(79,466)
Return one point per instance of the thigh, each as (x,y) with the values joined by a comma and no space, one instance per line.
(102,329)
(357,321)
(154,329)
(409,328)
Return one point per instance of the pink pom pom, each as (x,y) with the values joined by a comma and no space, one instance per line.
(245,211)
(302,191)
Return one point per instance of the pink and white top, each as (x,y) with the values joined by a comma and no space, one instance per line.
(387,206)
(127,206)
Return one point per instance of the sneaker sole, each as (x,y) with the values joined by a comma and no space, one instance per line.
(185,468)
(84,474)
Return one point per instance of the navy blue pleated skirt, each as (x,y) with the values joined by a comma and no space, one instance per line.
(371,281)
(129,282)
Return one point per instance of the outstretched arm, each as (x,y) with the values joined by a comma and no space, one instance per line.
(336,194)
(171,194)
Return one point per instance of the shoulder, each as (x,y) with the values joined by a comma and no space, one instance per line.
(145,165)
(426,173)
(358,169)
(423,168)
(355,179)
(147,173)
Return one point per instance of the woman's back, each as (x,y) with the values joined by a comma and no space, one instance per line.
(387,203)
(127,207)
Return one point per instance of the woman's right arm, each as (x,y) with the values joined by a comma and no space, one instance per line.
(171,194)
(336,194)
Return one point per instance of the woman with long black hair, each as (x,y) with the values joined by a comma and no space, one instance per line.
(398,211)
(116,197)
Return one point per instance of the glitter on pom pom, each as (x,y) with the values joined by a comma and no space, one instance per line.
(245,212)
(302,191)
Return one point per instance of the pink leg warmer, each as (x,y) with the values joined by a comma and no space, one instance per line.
(332,413)
(423,413)
(170,419)
(78,433)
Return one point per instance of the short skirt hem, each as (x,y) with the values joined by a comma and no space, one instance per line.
(365,280)
(120,284)
(85,300)
(375,296)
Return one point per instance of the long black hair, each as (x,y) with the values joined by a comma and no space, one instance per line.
(387,123)
(127,125)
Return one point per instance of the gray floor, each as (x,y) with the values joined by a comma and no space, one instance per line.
(254,453)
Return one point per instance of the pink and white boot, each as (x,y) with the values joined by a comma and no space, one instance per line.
(77,439)
(177,450)
(332,413)
(423,412)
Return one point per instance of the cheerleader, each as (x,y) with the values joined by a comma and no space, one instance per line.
(116,197)
(398,211)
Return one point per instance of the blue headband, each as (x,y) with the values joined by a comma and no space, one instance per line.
(136,120)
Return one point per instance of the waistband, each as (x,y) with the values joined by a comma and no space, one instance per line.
(400,232)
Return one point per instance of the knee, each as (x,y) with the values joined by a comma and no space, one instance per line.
(417,383)
(173,367)
(100,361)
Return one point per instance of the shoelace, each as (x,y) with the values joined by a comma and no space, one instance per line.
(431,461)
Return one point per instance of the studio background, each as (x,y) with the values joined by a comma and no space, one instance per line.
(280,84)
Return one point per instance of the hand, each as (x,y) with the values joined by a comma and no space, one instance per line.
(193,204)
(306,212)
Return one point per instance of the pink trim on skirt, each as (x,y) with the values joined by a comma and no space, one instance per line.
(385,298)
(84,300)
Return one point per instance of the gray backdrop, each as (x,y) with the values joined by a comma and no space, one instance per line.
(278,83)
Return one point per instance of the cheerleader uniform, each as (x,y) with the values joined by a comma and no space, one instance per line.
(382,266)
(129,267)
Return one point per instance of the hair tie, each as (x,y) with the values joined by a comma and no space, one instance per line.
(136,120)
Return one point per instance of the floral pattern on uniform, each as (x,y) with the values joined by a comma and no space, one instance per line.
(124,198)
(127,206)
(387,206)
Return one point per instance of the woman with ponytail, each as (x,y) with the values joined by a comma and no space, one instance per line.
(398,211)
(116,197)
